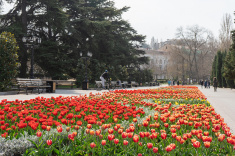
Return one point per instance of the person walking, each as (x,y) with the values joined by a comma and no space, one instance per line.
(169,82)
(205,84)
(208,84)
(103,78)
(215,84)
(202,83)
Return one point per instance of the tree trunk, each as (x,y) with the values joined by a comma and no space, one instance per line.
(23,57)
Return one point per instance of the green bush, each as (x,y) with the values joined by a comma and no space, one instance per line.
(8,59)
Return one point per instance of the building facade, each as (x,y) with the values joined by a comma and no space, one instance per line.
(158,60)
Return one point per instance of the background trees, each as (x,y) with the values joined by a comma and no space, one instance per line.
(224,62)
(69,28)
(191,53)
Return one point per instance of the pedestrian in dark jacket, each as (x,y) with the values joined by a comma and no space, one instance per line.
(202,83)
(205,84)
(208,84)
(215,84)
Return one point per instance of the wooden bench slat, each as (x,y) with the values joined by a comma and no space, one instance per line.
(31,84)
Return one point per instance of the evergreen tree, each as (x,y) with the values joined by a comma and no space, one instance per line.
(229,64)
(213,74)
(224,83)
(69,28)
(219,68)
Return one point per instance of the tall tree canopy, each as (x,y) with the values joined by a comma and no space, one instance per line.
(69,28)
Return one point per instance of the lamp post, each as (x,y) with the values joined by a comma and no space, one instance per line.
(32,42)
(86,57)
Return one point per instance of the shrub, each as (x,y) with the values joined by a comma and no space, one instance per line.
(8,59)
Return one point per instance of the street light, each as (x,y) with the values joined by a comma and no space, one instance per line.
(86,57)
(32,42)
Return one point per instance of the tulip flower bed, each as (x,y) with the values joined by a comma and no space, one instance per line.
(164,121)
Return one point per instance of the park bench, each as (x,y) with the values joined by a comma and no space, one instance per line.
(135,84)
(113,85)
(125,84)
(30,84)
(98,85)
(70,83)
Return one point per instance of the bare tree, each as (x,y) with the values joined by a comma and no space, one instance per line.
(225,32)
(193,48)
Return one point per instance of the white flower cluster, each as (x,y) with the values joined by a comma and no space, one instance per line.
(16,146)
(19,146)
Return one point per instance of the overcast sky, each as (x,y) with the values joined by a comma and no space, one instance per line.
(161,18)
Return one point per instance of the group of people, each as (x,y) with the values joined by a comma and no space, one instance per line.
(105,76)
(207,83)
(172,82)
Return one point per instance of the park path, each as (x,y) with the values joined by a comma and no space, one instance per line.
(224,103)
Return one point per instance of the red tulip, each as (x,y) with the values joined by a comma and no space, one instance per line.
(103,142)
(173,130)
(130,135)
(39,134)
(110,131)
(116,141)
(173,135)
(142,135)
(149,145)
(76,127)
(146,134)
(120,131)
(97,132)
(111,137)
(49,142)
(132,128)
(155,149)
(145,123)
(71,136)
(168,148)
(221,137)
(207,144)
(124,135)
(115,128)
(89,126)
(166,125)
(173,146)
(136,138)
(206,133)
(163,136)
(48,128)
(59,129)
(134,120)
(125,142)
(92,145)
(196,144)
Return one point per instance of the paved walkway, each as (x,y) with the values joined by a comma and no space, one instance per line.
(224,103)
(223,100)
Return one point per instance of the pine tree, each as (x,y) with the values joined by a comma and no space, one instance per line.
(219,68)
(213,73)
